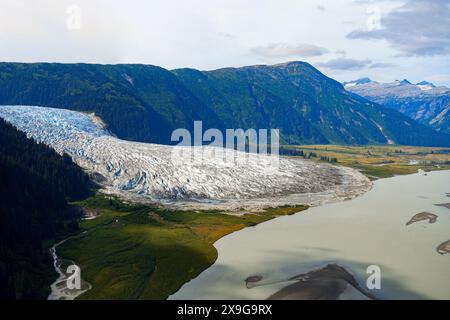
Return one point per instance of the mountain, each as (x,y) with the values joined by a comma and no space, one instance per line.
(358,81)
(308,106)
(36,184)
(146,103)
(137,102)
(422,101)
(425,85)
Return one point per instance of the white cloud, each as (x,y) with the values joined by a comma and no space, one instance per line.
(351,64)
(204,34)
(417,28)
(284,50)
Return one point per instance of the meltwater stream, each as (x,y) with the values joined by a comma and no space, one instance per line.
(369,230)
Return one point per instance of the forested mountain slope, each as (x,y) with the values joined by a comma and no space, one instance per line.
(35,184)
(308,106)
(138,102)
(146,103)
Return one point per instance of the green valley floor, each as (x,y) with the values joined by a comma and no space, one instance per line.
(135,251)
(142,252)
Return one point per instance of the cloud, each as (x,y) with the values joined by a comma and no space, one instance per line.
(381,65)
(417,28)
(226,35)
(282,50)
(351,64)
(345,64)
(321,8)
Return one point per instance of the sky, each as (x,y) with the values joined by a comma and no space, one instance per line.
(345,39)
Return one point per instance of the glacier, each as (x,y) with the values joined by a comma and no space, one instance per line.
(167,174)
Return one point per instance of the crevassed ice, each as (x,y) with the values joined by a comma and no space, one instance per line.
(151,171)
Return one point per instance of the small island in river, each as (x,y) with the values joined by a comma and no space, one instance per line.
(332,282)
(444,248)
(445,205)
(252,281)
(423,216)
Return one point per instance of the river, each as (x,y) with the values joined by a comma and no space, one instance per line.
(59,288)
(368,230)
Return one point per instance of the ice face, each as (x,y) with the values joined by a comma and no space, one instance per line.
(167,173)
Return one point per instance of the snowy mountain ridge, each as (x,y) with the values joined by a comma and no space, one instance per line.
(399,88)
(423,102)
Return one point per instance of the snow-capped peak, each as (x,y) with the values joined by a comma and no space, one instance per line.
(357,82)
(425,85)
(402,82)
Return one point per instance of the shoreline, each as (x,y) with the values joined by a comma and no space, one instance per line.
(234,231)
(260,274)
(368,187)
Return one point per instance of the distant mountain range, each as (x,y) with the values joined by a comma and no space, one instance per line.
(422,101)
(146,103)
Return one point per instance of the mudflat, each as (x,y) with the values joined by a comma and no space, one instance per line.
(445,205)
(328,283)
(423,216)
(444,247)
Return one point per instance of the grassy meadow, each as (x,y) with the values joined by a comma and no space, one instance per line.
(379,161)
(142,252)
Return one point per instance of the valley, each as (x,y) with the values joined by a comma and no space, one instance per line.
(133,251)
(158,236)
(146,243)
(174,151)
(380,161)
(149,252)
(146,103)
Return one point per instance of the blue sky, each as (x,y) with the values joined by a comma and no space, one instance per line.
(345,39)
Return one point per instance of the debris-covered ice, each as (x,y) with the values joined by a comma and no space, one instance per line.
(167,174)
